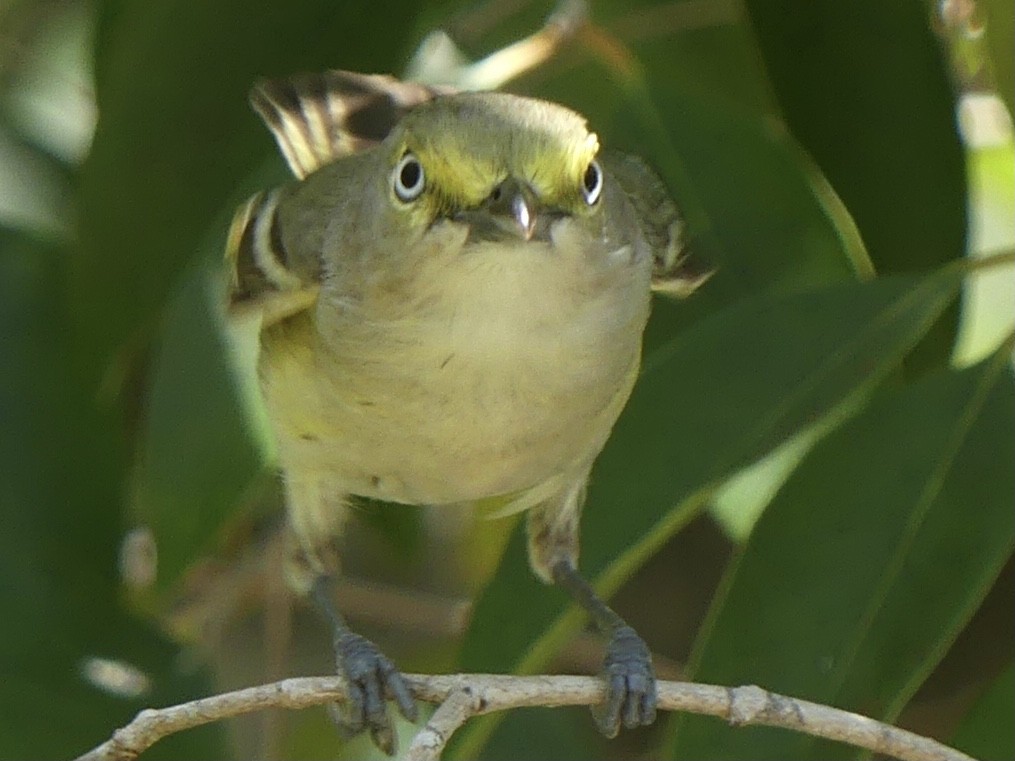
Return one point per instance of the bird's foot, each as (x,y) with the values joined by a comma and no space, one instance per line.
(372,679)
(630,684)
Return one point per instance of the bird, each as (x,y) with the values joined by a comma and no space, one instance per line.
(450,296)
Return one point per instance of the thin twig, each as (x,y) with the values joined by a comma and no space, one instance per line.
(429,742)
(462,696)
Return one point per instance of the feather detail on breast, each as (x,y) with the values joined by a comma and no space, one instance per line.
(506,371)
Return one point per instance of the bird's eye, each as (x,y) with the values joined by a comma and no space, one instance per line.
(408,178)
(592,183)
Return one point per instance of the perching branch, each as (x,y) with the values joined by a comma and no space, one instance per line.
(462,696)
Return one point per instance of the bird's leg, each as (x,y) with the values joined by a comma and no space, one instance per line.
(371,678)
(627,668)
(317,513)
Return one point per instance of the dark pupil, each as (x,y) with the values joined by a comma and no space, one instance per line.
(410,174)
(591,178)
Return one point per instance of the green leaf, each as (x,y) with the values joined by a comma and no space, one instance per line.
(200,453)
(865,88)
(175,136)
(755,207)
(868,563)
(986,731)
(766,368)
(35,188)
(766,220)
(1000,29)
(60,591)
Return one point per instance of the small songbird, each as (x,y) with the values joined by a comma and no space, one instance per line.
(451,298)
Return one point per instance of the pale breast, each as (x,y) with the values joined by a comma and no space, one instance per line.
(506,367)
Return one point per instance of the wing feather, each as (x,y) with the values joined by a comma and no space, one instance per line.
(318,118)
(675,271)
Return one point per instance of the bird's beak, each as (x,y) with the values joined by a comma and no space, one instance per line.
(524,215)
(511,212)
(514,208)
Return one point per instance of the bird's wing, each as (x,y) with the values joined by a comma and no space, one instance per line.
(261,282)
(317,118)
(675,271)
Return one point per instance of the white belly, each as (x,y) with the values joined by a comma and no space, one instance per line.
(510,370)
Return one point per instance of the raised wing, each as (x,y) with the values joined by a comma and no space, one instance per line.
(675,271)
(317,118)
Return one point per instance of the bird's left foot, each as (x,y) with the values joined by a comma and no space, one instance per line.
(630,684)
(371,679)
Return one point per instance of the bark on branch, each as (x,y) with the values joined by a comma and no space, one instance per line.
(462,696)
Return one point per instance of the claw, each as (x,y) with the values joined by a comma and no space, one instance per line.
(648,707)
(396,689)
(632,711)
(607,715)
(630,684)
(370,678)
(384,738)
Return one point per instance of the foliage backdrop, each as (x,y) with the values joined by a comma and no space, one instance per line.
(813,148)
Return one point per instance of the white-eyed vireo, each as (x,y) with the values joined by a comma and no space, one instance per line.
(452,298)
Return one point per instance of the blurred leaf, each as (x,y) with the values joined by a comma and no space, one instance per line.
(868,563)
(543,733)
(58,546)
(1000,34)
(754,206)
(199,454)
(864,87)
(172,144)
(205,441)
(35,188)
(402,528)
(988,300)
(47,80)
(986,732)
(766,367)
